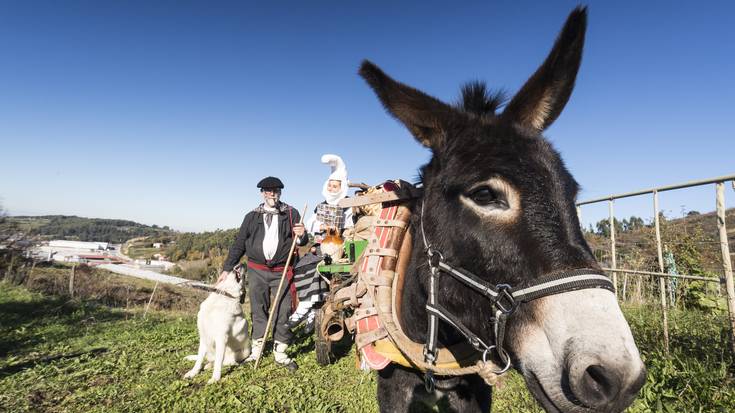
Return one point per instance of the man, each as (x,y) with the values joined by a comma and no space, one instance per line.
(265,236)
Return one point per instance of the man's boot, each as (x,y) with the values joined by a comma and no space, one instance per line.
(282,359)
(257,347)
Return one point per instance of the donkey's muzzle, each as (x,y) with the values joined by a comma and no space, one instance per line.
(603,386)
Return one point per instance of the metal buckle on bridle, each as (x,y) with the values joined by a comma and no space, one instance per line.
(435,258)
(502,355)
(429,355)
(505,302)
(474,342)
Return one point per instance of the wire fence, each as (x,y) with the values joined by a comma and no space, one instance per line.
(682,262)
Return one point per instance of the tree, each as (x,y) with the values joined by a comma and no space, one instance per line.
(633,223)
(603,227)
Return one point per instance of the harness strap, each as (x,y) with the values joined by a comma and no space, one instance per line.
(562,282)
(367,312)
(369,337)
(380,252)
(467,278)
(377,280)
(390,223)
(499,329)
(431,337)
(447,317)
(572,280)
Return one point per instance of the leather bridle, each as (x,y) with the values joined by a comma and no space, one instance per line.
(504,301)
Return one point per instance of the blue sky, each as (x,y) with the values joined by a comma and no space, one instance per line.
(168,113)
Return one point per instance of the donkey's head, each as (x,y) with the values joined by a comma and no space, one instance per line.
(500,203)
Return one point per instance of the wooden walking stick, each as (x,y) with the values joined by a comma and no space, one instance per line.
(274,304)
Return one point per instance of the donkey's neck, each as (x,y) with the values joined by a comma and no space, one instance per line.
(414,295)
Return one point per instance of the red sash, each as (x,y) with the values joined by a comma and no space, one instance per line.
(289,275)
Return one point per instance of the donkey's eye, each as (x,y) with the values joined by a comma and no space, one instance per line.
(485,196)
(494,199)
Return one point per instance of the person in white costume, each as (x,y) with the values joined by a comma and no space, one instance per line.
(310,288)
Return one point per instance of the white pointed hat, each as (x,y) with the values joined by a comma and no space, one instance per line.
(338,173)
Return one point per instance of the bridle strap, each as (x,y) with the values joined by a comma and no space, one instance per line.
(440,312)
(558,283)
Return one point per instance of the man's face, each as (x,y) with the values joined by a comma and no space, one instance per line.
(333,186)
(271,196)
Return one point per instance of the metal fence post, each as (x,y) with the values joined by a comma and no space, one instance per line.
(726,263)
(579,217)
(614,261)
(662,283)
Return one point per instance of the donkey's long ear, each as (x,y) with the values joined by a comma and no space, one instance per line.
(542,98)
(426,117)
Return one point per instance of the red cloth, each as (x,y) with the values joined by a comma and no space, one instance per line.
(289,275)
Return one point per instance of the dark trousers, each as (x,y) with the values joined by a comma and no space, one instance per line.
(263,288)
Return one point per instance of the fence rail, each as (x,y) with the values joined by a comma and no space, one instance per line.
(666,275)
(688,184)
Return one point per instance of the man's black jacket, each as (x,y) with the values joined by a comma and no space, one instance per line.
(249,239)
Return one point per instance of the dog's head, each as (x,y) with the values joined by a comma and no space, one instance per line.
(234,280)
(239,278)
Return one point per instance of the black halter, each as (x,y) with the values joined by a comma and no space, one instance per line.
(503,298)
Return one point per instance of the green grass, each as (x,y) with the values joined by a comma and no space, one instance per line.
(57,355)
(699,373)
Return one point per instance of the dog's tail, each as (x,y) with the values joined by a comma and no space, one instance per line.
(193,357)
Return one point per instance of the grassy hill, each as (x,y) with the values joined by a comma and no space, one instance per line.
(83,229)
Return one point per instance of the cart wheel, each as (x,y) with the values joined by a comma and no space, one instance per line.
(322,346)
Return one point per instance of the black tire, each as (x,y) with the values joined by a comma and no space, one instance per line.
(322,346)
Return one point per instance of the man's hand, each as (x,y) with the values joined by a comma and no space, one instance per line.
(298,229)
(222,277)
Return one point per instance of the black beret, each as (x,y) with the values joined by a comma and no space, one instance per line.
(270,182)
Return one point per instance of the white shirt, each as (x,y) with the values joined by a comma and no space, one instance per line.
(270,240)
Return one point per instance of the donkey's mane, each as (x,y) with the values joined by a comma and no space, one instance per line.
(478,100)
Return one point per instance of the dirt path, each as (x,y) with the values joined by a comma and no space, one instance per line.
(147,274)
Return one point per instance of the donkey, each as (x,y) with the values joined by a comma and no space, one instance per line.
(499,202)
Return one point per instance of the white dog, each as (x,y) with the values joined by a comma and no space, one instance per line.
(223,330)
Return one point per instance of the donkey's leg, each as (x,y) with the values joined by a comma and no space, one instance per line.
(464,394)
(397,388)
(403,390)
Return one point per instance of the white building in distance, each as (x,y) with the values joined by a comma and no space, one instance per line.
(78,245)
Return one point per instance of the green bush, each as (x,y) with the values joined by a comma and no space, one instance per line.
(697,375)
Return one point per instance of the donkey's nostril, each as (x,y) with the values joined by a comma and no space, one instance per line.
(595,386)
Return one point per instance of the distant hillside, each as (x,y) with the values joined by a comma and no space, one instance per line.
(196,246)
(693,241)
(83,229)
